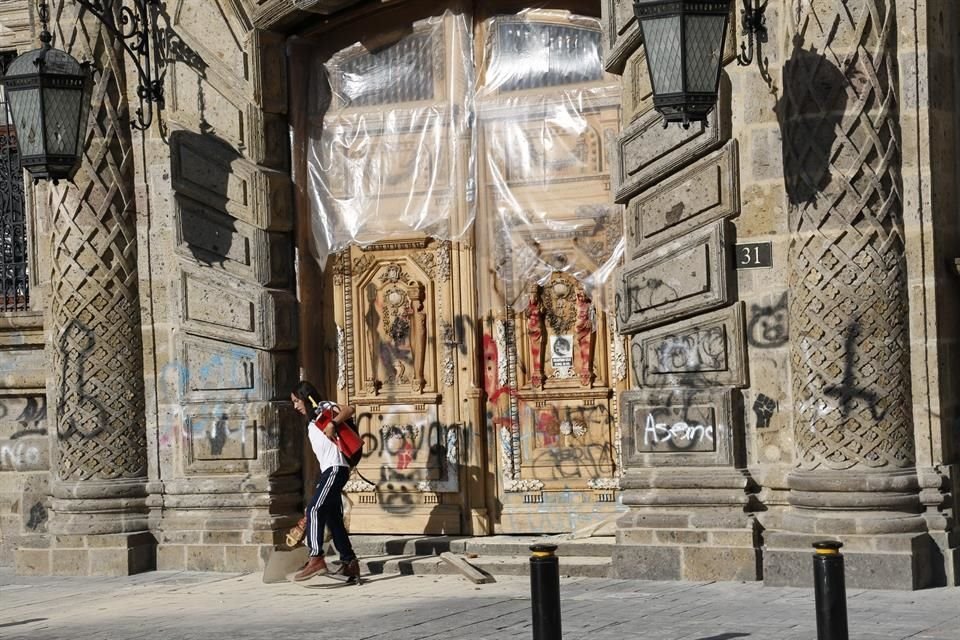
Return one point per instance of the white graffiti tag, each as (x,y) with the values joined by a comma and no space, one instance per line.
(656,432)
(20,457)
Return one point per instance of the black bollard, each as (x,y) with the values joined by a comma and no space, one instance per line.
(545,592)
(830,591)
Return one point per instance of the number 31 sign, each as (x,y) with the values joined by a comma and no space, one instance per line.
(754,255)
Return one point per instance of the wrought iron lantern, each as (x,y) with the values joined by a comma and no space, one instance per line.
(49,91)
(49,96)
(684,48)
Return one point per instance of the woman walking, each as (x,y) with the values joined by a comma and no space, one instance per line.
(325,507)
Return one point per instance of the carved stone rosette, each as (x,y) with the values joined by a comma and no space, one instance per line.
(94,310)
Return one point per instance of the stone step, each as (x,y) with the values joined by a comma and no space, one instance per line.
(570,566)
(386,545)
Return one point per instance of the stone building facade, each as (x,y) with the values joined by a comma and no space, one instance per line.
(551,312)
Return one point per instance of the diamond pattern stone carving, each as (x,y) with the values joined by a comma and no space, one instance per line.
(848,272)
(94,305)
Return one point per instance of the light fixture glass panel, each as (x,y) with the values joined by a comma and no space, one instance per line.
(704,44)
(25,108)
(661,38)
(62,107)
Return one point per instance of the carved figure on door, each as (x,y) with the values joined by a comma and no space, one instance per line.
(584,333)
(535,334)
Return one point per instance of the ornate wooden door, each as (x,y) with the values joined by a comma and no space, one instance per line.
(484,371)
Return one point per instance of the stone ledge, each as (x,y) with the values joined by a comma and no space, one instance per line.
(903,562)
(213,557)
(682,562)
(109,555)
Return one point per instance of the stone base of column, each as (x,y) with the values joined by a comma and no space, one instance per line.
(892,561)
(687,525)
(216,546)
(876,514)
(108,554)
(229,533)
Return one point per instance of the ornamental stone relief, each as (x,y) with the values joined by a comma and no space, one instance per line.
(841,141)
(94,296)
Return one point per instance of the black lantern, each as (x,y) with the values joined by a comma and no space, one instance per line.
(684,47)
(49,96)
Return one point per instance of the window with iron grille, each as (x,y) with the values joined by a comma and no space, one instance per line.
(14,281)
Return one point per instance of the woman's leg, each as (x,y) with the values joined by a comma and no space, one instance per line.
(335,517)
(316,513)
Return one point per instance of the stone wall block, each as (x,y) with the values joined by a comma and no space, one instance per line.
(707,191)
(237,438)
(215,174)
(213,370)
(621,33)
(680,427)
(641,562)
(681,278)
(210,238)
(270,70)
(15,25)
(646,152)
(708,350)
(638,91)
(224,308)
(269,140)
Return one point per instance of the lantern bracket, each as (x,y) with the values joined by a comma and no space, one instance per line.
(753,25)
(136,28)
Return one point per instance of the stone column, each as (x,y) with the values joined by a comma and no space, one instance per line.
(851,378)
(98,507)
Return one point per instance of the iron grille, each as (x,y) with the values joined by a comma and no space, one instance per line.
(14,277)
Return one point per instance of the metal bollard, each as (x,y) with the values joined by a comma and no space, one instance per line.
(830,591)
(545,592)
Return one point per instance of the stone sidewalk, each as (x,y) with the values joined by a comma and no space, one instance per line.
(208,606)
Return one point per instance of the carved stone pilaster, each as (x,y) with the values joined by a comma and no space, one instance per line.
(94,319)
(848,303)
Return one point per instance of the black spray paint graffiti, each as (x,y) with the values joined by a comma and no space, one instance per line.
(847,392)
(38,516)
(769,325)
(78,412)
(650,293)
(34,414)
(217,436)
(571,463)
(764,407)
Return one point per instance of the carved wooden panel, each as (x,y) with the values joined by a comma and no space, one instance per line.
(395,339)
(397,352)
(566,441)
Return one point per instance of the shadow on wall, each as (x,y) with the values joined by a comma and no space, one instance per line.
(810,113)
(202,169)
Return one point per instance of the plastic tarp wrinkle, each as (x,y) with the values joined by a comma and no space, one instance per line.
(421,138)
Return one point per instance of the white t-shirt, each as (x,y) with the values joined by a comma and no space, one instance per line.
(328,455)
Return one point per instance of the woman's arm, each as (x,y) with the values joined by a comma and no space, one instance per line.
(346,412)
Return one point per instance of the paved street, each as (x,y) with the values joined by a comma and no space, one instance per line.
(206,606)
